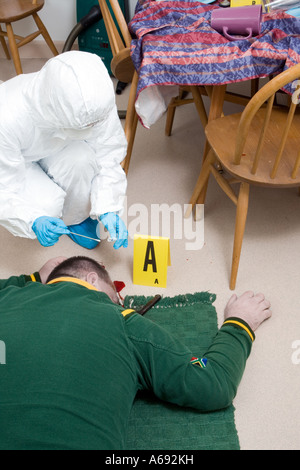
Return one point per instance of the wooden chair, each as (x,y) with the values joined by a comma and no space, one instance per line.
(183,99)
(260,146)
(15,10)
(200,91)
(121,65)
(123,69)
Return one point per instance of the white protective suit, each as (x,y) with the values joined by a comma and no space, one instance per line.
(61,144)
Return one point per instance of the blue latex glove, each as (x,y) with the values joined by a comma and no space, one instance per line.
(48,230)
(116,229)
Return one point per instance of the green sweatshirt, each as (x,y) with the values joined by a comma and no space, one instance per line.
(75,361)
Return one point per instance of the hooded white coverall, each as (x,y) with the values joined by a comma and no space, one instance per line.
(61,144)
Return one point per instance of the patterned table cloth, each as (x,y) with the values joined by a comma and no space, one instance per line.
(174,44)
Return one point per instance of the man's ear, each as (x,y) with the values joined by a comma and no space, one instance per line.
(92,278)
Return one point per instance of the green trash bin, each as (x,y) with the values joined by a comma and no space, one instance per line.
(95,39)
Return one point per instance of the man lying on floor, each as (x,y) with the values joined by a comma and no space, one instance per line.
(75,359)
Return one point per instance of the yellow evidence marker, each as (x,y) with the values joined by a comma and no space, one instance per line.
(242,3)
(151,258)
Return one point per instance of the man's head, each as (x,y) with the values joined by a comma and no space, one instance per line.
(89,270)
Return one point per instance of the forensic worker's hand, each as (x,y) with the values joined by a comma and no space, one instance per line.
(49,266)
(49,229)
(252,308)
(116,228)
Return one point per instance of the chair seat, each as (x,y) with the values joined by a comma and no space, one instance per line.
(14,10)
(221,134)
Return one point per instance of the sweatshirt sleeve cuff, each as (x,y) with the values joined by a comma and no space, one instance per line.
(241,324)
(34,277)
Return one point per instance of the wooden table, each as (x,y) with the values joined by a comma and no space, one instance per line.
(174,44)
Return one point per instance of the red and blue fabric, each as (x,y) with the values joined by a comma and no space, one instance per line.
(174,44)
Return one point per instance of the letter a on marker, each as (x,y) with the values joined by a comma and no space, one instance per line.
(151,258)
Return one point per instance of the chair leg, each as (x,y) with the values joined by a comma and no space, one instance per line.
(171,111)
(199,105)
(241,217)
(45,33)
(3,42)
(170,117)
(130,143)
(197,98)
(14,48)
(201,182)
(130,122)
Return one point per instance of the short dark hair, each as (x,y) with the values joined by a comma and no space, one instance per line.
(79,267)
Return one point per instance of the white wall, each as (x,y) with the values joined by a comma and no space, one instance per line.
(59,17)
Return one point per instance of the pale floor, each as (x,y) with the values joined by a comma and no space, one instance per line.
(163,171)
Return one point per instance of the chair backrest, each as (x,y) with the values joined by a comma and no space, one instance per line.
(119,40)
(114,25)
(264,98)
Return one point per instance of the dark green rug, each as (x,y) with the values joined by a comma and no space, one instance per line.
(155,425)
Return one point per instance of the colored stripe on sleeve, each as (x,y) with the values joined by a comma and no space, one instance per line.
(127,313)
(240,324)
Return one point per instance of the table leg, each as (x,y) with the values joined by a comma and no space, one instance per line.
(217,95)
